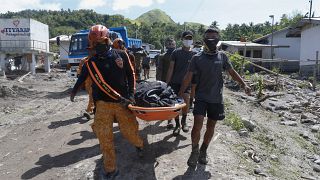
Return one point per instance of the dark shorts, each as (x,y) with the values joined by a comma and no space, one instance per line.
(145,66)
(176,88)
(214,111)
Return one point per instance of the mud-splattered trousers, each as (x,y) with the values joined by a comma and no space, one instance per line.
(106,113)
(87,85)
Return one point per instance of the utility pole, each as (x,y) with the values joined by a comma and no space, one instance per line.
(317,63)
(272,16)
(310,15)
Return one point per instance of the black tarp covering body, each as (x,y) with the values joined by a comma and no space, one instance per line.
(155,94)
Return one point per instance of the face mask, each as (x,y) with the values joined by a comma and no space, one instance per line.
(170,49)
(101,48)
(211,44)
(187,43)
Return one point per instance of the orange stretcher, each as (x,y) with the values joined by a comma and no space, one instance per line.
(156,113)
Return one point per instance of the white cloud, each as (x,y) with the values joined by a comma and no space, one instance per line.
(91,4)
(126,4)
(18,5)
(160,1)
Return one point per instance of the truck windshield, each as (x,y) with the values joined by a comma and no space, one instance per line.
(78,45)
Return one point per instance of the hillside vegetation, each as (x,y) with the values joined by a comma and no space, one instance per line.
(152,27)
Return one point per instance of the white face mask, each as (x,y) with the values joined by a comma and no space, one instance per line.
(187,43)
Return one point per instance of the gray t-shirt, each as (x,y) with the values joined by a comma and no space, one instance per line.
(208,70)
(181,59)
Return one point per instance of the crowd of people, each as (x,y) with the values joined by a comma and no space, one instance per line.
(194,72)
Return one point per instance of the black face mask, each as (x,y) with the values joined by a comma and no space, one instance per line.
(211,43)
(101,48)
(170,49)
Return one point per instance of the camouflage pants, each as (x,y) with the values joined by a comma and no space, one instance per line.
(88,88)
(106,113)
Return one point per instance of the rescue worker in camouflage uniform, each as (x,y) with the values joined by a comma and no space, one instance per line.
(139,54)
(87,85)
(163,63)
(112,89)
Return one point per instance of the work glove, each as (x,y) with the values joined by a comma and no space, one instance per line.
(131,98)
(125,102)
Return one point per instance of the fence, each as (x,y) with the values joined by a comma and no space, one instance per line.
(22,45)
(284,65)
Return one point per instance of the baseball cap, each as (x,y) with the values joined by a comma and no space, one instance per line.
(187,33)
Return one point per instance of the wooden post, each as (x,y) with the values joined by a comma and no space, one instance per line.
(315,72)
(242,63)
(317,63)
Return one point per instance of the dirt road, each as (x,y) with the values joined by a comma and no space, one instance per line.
(44,136)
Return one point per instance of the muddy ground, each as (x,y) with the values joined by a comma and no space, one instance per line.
(44,136)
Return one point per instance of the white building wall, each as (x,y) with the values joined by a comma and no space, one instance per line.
(18,33)
(280,39)
(22,36)
(40,35)
(292,52)
(12,30)
(266,53)
(310,43)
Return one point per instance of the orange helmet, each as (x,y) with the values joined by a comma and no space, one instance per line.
(96,34)
(117,43)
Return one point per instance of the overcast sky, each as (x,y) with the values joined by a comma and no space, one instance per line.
(202,11)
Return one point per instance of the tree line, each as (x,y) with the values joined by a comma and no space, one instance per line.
(70,21)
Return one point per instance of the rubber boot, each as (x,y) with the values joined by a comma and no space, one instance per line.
(185,127)
(194,156)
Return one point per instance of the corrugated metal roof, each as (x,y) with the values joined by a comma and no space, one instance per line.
(243,44)
(275,32)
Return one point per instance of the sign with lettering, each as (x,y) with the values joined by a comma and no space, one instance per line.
(15,30)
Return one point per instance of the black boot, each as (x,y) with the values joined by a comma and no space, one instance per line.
(185,127)
(176,130)
(203,154)
(108,175)
(194,156)
(203,158)
(87,115)
(169,125)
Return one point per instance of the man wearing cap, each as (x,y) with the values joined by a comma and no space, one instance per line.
(208,67)
(179,62)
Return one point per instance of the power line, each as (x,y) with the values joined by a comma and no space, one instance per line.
(196,10)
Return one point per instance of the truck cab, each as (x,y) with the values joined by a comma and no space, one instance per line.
(79,43)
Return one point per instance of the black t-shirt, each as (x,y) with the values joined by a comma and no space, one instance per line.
(146,61)
(181,59)
(208,70)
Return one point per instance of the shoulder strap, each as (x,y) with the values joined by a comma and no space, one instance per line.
(100,82)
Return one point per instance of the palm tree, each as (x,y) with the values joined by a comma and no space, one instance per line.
(215,25)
